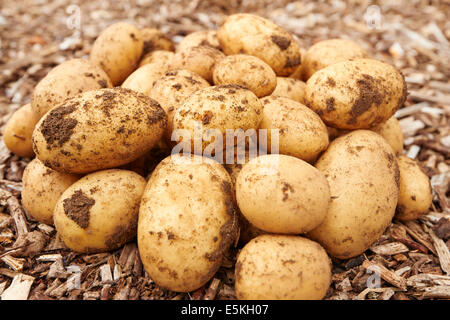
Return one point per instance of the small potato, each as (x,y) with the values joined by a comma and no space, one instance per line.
(143,79)
(161,56)
(415,194)
(302,133)
(118,50)
(282,194)
(356,94)
(259,37)
(392,132)
(41,189)
(327,52)
(200,38)
(290,88)
(66,80)
(19,130)
(247,71)
(155,40)
(99,212)
(280,267)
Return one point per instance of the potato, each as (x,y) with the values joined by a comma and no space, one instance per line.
(356,94)
(415,195)
(247,71)
(295,190)
(362,172)
(302,133)
(118,50)
(155,40)
(99,212)
(259,37)
(143,79)
(200,38)
(200,59)
(173,89)
(290,88)
(66,80)
(19,130)
(187,221)
(328,52)
(41,189)
(392,132)
(161,56)
(97,130)
(280,267)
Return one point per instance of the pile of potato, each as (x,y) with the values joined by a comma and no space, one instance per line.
(102,133)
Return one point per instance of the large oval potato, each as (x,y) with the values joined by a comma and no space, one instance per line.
(200,38)
(363,175)
(154,39)
(356,94)
(279,267)
(259,37)
(143,79)
(99,212)
(290,88)
(98,129)
(392,132)
(187,221)
(161,56)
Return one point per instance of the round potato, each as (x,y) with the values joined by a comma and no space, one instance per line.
(154,39)
(295,190)
(118,50)
(280,267)
(247,71)
(161,56)
(301,132)
(187,221)
(200,38)
(290,88)
(98,129)
(392,132)
(259,37)
(356,94)
(19,130)
(41,189)
(328,52)
(363,175)
(143,79)
(99,212)
(415,194)
(66,80)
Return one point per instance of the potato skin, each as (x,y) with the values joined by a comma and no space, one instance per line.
(187,221)
(363,176)
(97,130)
(356,94)
(99,212)
(153,40)
(247,71)
(280,267)
(161,56)
(290,88)
(19,130)
(415,195)
(42,188)
(199,38)
(143,79)
(65,81)
(259,37)
(392,133)
(117,50)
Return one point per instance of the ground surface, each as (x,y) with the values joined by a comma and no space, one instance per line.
(413,258)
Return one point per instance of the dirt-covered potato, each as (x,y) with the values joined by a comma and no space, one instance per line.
(280,267)
(173,89)
(282,194)
(290,88)
(247,71)
(259,37)
(99,212)
(200,38)
(200,59)
(66,80)
(154,40)
(118,50)
(41,189)
(327,52)
(356,94)
(415,194)
(301,132)
(392,132)
(19,130)
(187,221)
(97,130)
(143,79)
(161,56)
(363,175)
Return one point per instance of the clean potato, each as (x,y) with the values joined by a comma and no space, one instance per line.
(392,132)
(282,194)
(187,221)
(280,267)
(19,130)
(356,94)
(66,80)
(200,38)
(98,129)
(143,79)
(259,37)
(363,176)
(161,56)
(117,50)
(415,195)
(41,189)
(154,40)
(290,88)
(99,212)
